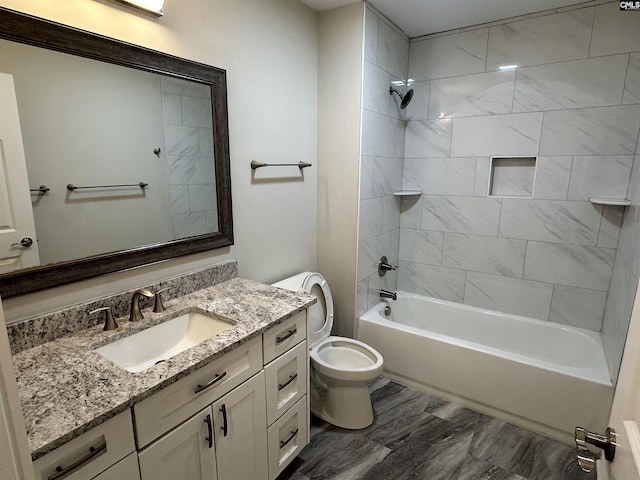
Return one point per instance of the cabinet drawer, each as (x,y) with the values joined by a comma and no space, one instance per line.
(179,401)
(280,338)
(287,437)
(91,453)
(286,379)
(125,469)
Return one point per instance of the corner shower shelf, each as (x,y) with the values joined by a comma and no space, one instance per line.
(622,202)
(406,193)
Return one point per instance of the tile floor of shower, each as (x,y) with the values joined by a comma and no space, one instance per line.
(418,436)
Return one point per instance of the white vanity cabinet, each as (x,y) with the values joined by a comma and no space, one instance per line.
(225,441)
(286,371)
(174,404)
(238,418)
(90,454)
(244,416)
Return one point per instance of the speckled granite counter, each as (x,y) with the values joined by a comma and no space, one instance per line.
(67,389)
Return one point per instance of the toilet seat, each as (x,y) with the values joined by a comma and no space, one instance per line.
(346,359)
(320,314)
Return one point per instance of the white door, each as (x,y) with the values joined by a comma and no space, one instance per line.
(16,215)
(15,458)
(184,453)
(241,432)
(625,413)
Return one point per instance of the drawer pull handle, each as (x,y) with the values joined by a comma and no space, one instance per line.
(289,334)
(283,443)
(291,379)
(225,426)
(64,472)
(211,382)
(210,428)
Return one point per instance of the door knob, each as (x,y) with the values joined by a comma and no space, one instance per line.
(606,442)
(26,242)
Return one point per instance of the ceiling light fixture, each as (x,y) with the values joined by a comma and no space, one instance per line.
(508,67)
(155,7)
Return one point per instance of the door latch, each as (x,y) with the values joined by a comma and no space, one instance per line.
(586,458)
(26,242)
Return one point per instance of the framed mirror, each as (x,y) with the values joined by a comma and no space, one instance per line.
(130,145)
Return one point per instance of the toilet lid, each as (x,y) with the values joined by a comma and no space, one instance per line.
(320,314)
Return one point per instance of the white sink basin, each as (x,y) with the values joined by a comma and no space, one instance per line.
(142,350)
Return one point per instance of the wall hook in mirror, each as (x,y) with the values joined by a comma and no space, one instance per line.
(157,152)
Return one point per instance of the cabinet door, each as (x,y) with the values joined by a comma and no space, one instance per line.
(241,432)
(125,469)
(184,453)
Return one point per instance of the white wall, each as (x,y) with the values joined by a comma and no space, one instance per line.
(269,50)
(339,114)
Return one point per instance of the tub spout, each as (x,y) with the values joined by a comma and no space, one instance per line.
(388,294)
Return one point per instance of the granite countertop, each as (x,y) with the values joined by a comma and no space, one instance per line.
(66,389)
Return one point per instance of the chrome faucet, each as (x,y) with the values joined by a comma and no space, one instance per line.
(388,294)
(135,313)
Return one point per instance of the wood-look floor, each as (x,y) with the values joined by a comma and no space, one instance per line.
(418,436)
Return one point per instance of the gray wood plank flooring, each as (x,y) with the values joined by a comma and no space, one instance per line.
(418,436)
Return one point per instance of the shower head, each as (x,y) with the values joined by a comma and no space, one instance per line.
(405,99)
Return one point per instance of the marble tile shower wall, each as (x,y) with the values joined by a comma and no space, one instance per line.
(189,136)
(626,272)
(574,103)
(386,54)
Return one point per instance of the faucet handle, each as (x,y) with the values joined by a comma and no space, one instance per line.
(384,266)
(159,306)
(109,323)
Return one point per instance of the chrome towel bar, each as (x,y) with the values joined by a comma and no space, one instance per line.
(300,165)
(71,187)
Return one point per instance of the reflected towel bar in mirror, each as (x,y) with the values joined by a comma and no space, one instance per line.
(300,165)
(71,187)
(42,189)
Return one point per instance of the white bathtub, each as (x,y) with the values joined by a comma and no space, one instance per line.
(541,375)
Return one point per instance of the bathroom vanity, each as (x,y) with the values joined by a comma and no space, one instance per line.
(232,407)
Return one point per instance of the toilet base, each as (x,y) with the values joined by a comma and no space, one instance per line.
(345,406)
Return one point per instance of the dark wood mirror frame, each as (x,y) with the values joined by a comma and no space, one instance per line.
(35,31)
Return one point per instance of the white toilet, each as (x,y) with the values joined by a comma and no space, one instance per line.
(340,367)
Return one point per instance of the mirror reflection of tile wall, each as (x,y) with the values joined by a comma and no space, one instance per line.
(189,134)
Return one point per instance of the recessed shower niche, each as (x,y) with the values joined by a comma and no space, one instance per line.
(512,177)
